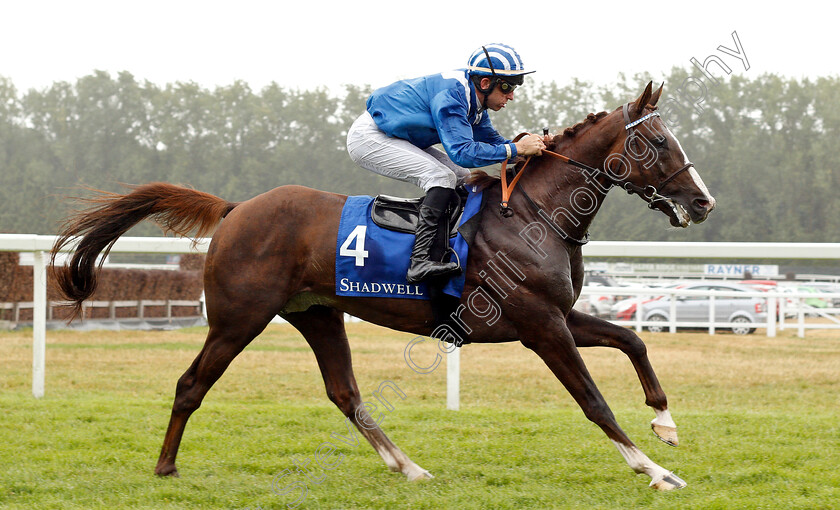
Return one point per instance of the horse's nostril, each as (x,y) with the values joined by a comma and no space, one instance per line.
(702,204)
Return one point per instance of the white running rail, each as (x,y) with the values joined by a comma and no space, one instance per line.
(40,245)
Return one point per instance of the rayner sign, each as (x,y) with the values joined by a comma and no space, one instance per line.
(740,269)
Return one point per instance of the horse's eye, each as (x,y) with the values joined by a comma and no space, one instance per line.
(660,141)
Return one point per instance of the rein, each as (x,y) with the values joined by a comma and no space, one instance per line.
(507,189)
(650,194)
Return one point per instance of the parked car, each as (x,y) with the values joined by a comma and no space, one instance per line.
(625,309)
(827,288)
(790,303)
(745,311)
(590,277)
(598,305)
(835,301)
(772,285)
(816,301)
(762,285)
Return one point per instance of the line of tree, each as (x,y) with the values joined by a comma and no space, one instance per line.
(764,146)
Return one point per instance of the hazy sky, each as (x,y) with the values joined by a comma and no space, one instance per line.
(307,44)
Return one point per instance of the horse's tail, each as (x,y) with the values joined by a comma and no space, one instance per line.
(175,208)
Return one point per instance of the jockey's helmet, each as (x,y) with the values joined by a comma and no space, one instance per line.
(498,61)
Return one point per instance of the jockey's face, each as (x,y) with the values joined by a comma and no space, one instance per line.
(497,99)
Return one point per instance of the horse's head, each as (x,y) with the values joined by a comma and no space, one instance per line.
(649,157)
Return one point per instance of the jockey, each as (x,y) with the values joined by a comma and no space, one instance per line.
(395,135)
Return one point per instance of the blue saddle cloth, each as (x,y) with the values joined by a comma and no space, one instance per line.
(371,261)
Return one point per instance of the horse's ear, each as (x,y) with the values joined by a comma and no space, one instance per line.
(654,98)
(644,99)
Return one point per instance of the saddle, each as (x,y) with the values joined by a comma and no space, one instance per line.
(400,214)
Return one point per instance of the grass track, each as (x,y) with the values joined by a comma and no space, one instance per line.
(758,425)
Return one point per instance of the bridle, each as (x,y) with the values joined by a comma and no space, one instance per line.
(650,194)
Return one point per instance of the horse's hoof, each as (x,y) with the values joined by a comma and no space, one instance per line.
(416,473)
(167,471)
(666,433)
(668,482)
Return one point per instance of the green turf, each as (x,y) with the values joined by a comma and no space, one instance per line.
(757,418)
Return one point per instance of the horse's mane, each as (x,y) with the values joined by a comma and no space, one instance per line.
(482,179)
(592,118)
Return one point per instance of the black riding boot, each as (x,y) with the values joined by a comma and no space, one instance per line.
(432,211)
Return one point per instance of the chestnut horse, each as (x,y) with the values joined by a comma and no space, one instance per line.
(275,254)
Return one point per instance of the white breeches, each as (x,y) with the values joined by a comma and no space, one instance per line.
(373,150)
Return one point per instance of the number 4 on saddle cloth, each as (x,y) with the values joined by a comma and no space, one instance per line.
(375,238)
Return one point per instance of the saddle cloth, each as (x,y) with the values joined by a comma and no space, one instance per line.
(371,261)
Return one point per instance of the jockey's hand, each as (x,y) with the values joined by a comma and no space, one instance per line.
(548,138)
(530,145)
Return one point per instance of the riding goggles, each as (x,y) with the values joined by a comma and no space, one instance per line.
(506,87)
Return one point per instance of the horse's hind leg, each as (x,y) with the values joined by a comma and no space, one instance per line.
(589,331)
(225,340)
(323,329)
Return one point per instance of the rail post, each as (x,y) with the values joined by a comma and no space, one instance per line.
(453,379)
(39,323)
(771,316)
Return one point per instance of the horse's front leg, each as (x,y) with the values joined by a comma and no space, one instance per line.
(553,342)
(589,331)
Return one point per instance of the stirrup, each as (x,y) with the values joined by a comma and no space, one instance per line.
(450,249)
(428,273)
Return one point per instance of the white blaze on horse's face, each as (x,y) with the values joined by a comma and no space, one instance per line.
(694,175)
(701,206)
